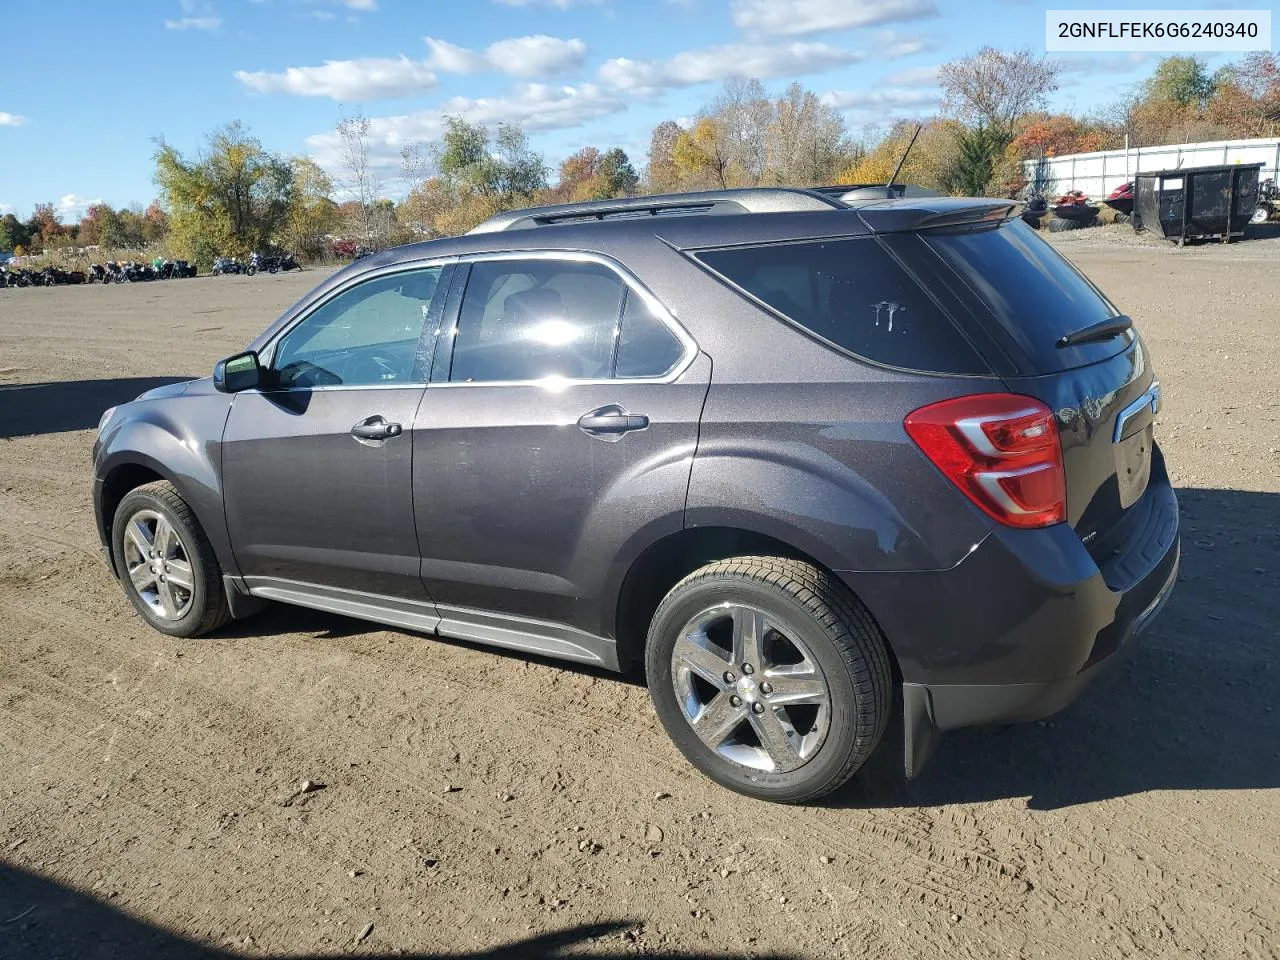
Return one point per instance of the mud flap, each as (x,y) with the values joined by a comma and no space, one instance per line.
(919,732)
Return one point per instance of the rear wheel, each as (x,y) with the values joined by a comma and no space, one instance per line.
(1261,214)
(770,676)
(166,565)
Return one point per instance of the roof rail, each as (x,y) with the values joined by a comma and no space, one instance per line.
(746,200)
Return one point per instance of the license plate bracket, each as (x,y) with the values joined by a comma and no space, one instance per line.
(1133,465)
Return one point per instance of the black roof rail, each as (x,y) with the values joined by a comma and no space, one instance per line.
(744,200)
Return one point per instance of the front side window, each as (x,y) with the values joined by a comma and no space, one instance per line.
(365,336)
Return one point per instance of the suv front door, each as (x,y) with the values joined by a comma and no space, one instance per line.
(317,464)
(558,430)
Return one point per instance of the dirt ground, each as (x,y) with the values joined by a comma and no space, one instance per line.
(476,804)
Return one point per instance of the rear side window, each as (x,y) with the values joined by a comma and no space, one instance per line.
(1035,293)
(854,295)
(646,345)
(530,319)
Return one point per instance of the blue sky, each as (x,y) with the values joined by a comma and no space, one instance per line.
(81,125)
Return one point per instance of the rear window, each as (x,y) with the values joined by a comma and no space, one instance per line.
(1035,293)
(854,295)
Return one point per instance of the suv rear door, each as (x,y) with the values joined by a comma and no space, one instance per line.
(558,432)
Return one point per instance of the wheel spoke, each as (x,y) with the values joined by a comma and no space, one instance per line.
(164,539)
(140,537)
(773,737)
(748,635)
(178,573)
(168,601)
(141,576)
(717,720)
(702,660)
(805,687)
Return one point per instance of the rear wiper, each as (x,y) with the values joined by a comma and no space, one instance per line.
(1102,330)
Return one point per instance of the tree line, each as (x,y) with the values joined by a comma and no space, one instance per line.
(233,196)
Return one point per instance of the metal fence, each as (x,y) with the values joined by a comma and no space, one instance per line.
(1097,174)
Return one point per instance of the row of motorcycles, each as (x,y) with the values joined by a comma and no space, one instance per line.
(127,271)
(258,263)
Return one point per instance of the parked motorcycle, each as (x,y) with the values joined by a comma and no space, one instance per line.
(226,265)
(97,273)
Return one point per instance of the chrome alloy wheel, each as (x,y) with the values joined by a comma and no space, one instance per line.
(158,564)
(750,689)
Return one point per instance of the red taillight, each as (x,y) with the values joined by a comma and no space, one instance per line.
(1001,450)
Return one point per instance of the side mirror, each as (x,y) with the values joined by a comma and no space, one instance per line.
(239,372)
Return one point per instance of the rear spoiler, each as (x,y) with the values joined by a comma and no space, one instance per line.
(925,213)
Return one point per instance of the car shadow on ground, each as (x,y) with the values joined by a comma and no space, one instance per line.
(1191,705)
(34,409)
(40,918)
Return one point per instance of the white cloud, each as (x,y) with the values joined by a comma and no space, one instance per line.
(194,23)
(798,17)
(197,15)
(558,4)
(530,57)
(913,77)
(5,208)
(368,6)
(882,103)
(367,79)
(1102,63)
(537,107)
(713,64)
(11,119)
(71,207)
(890,45)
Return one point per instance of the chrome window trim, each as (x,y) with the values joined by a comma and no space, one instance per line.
(266,356)
(633,285)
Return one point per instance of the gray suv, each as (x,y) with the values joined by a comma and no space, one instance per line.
(807,460)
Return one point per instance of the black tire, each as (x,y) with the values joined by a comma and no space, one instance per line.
(1123,218)
(250,271)
(841,637)
(207,609)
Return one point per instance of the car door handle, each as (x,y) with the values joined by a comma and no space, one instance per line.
(375,428)
(611,422)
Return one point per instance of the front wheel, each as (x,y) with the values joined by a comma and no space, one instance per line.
(166,565)
(250,271)
(1261,214)
(770,676)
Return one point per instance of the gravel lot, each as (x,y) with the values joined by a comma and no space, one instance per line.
(477,804)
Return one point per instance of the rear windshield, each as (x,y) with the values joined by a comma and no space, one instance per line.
(853,295)
(1035,293)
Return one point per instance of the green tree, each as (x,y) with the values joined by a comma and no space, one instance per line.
(505,170)
(231,199)
(980,148)
(1181,80)
(312,212)
(619,174)
(13,233)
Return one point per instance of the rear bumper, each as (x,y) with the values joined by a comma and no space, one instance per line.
(931,709)
(1018,628)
